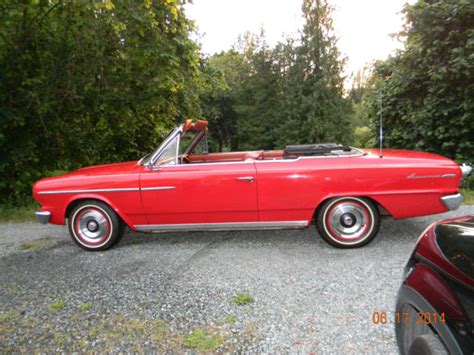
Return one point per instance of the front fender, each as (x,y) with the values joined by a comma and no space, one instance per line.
(92,196)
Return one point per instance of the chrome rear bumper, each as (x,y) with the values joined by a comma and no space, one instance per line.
(452,202)
(43,216)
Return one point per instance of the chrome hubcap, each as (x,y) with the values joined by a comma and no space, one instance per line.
(93,226)
(348,221)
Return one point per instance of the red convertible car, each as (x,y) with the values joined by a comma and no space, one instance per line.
(182,187)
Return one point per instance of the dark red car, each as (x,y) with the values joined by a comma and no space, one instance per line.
(435,307)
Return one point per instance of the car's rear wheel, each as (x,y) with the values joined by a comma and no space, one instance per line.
(427,344)
(94,226)
(348,222)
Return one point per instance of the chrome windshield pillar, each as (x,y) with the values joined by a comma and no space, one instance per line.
(176,132)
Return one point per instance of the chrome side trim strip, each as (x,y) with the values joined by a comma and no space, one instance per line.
(157,188)
(157,228)
(59,192)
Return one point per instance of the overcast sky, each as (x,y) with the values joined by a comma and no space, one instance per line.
(362,26)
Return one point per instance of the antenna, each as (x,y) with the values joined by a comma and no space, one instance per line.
(381,128)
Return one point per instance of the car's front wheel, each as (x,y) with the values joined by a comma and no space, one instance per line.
(348,222)
(94,226)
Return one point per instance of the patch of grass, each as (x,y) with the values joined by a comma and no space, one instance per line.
(241,299)
(60,339)
(85,307)
(201,340)
(230,319)
(36,244)
(57,305)
(468,196)
(120,328)
(5,317)
(18,214)
(88,333)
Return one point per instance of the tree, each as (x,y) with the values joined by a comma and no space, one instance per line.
(258,95)
(426,91)
(217,99)
(315,109)
(87,82)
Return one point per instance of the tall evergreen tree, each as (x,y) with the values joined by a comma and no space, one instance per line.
(314,107)
(257,108)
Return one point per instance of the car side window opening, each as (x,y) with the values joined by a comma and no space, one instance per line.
(201,147)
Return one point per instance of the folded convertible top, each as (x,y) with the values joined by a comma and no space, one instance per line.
(314,149)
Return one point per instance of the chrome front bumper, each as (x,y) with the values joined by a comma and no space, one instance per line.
(43,216)
(452,202)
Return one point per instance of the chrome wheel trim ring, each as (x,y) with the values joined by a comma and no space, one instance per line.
(83,222)
(349,235)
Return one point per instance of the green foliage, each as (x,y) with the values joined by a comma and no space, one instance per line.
(230,319)
(92,82)
(57,305)
(87,82)
(241,299)
(292,93)
(363,137)
(85,307)
(200,340)
(10,213)
(426,91)
(314,107)
(468,196)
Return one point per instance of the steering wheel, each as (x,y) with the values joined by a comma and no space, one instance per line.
(185,159)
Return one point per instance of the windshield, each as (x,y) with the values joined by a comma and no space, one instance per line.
(176,144)
(146,159)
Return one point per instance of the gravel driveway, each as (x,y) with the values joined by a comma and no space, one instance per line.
(275,291)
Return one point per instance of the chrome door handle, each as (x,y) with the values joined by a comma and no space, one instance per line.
(246,178)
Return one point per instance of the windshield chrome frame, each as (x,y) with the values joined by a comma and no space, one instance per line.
(156,155)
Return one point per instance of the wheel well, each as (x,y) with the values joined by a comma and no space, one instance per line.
(74,203)
(380,208)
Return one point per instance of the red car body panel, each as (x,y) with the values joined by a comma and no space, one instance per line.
(209,189)
(203,193)
(435,290)
(428,250)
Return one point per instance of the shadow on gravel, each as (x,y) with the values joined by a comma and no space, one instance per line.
(390,229)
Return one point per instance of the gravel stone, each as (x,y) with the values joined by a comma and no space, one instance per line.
(152,291)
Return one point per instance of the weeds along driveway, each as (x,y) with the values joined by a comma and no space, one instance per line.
(269,291)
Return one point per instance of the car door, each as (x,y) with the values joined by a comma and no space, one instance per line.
(200,194)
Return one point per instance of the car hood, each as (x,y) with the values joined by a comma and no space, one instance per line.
(107,169)
(110,176)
